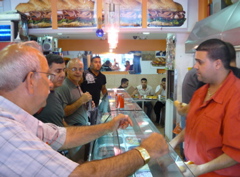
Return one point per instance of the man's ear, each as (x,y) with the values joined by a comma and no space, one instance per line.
(218,63)
(30,82)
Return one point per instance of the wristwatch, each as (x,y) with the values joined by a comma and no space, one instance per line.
(144,154)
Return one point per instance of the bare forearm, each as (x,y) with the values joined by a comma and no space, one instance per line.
(223,161)
(80,135)
(159,92)
(70,109)
(121,166)
(178,139)
(104,90)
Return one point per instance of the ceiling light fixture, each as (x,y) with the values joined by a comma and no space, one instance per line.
(99,31)
(111,18)
(146,33)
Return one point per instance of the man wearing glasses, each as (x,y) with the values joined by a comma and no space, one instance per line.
(28,146)
(53,112)
(75,102)
(73,98)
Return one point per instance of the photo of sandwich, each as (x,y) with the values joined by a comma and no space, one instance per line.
(38,13)
(76,13)
(130,12)
(70,13)
(166,13)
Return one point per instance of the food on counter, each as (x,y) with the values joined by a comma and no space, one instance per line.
(165,13)
(132,140)
(152,97)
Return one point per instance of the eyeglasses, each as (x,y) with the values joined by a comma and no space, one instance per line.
(76,69)
(50,76)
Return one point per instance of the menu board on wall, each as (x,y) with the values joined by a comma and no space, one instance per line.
(167,13)
(69,13)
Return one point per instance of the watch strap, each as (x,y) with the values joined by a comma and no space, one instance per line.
(144,153)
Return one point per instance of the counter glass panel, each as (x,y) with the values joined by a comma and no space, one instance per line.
(121,141)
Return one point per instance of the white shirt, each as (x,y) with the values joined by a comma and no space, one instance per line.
(163,93)
(147,91)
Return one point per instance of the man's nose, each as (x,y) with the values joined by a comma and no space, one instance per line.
(51,85)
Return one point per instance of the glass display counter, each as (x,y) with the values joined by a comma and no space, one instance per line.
(121,141)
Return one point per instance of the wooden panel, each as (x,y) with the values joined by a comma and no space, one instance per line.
(115,72)
(202,9)
(101,46)
(54,14)
(144,14)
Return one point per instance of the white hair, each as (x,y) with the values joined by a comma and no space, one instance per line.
(73,61)
(16,61)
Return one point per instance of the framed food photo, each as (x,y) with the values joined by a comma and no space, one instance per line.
(69,13)
(130,12)
(148,55)
(170,13)
(159,59)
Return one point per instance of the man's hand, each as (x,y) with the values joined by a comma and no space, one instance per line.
(85,97)
(182,108)
(93,104)
(192,169)
(156,145)
(120,121)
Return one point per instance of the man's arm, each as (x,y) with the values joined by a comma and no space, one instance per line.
(70,109)
(134,92)
(79,135)
(104,89)
(178,139)
(120,165)
(222,161)
(159,91)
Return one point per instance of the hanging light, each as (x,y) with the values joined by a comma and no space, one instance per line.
(99,31)
(111,16)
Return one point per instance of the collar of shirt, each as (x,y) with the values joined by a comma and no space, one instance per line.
(218,96)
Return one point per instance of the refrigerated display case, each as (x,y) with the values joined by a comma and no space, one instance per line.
(121,141)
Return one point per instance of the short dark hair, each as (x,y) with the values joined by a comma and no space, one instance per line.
(124,80)
(232,52)
(94,58)
(144,79)
(164,79)
(54,58)
(216,49)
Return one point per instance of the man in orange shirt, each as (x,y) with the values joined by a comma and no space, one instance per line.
(212,129)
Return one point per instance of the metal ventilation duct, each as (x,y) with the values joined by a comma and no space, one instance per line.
(224,25)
